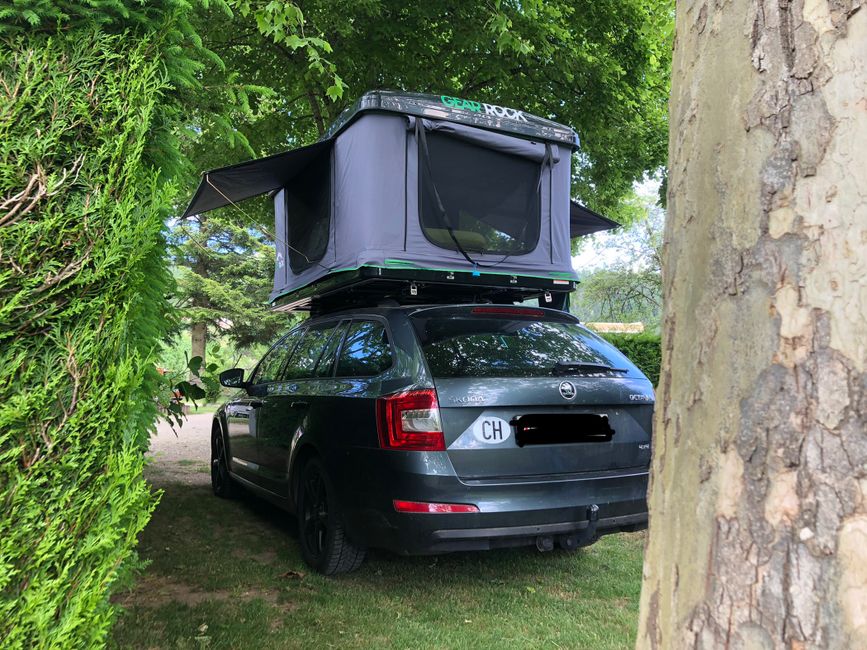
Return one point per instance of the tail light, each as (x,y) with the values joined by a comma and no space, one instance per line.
(433,508)
(410,421)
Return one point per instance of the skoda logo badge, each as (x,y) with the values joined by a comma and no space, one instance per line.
(567,390)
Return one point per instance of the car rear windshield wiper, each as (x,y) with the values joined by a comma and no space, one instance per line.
(570,367)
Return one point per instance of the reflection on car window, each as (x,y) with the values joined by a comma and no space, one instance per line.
(495,347)
(269,368)
(304,358)
(326,361)
(366,351)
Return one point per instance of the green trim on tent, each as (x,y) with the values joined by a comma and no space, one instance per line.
(402,264)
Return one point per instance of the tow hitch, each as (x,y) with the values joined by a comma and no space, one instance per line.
(583,537)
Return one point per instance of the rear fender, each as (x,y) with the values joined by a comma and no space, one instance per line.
(218,426)
(301,452)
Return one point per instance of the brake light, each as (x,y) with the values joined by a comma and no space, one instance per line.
(507,311)
(433,508)
(410,421)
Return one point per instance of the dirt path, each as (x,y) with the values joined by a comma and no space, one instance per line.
(181,456)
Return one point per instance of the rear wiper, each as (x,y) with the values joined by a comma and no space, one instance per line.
(567,367)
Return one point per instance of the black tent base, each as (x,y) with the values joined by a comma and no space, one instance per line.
(373,286)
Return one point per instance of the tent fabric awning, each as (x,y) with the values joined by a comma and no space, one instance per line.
(583,221)
(227,185)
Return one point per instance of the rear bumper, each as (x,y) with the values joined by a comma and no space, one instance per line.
(473,539)
(513,512)
(419,534)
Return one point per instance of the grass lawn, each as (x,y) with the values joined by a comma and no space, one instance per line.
(228,574)
(205,407)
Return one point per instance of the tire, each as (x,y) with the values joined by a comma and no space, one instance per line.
(221,482)
(321,533)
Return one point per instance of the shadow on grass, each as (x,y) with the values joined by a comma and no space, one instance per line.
(229,574)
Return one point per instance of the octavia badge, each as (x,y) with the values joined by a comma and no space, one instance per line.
(567,390)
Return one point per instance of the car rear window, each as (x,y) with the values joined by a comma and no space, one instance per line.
(497,346)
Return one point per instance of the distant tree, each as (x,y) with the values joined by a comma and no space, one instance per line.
(629,289)
(620,295)
(225,267)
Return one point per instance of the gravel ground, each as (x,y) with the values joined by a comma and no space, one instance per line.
(181,456)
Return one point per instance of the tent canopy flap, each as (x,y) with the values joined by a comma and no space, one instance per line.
(583,221)
(535,151)
(227,185)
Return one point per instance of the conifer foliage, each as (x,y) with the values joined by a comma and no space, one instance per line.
(83,287)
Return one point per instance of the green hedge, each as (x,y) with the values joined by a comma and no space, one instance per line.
(644,350)
(83,288)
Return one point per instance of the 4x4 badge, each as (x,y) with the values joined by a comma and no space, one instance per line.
(567,390)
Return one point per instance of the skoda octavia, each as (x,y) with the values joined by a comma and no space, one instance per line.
(428,429)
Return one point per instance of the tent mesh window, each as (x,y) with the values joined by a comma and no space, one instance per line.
(489,200)
(308,210)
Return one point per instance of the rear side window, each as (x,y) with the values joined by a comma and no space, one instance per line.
(366,351)
(513,347)
(478,199)
(326,361)
(303,360)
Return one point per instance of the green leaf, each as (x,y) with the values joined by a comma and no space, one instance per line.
(294,41)
(195,365)
(335,91)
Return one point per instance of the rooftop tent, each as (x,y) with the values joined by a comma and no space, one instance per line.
(405,181)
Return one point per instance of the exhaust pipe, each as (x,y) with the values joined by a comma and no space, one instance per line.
(545,543)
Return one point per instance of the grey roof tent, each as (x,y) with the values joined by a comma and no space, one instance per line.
(418,183)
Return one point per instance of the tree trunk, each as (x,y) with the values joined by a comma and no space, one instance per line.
(758,498)
(199,342)
(199,329)
(317,112)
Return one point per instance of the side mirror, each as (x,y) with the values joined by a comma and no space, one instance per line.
(233,378)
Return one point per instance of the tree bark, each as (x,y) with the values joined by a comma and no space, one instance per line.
(199,330)
(198,343)
(758,497)
(317,112)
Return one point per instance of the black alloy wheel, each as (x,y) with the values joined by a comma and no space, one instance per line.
(324,544)
(221,483)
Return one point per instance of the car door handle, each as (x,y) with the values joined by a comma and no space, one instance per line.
(256,404)
(299,405)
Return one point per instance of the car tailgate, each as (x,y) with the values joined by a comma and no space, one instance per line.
(525,427)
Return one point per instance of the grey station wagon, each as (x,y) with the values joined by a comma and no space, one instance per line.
(428,429)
